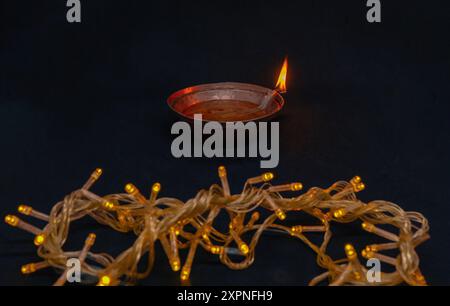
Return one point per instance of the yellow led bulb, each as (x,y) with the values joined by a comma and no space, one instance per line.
(357,184)
(267,176)
(39,239)
(371,248)
(90,240)
(355,180)
(97,173)
(105,280)
(216,249)
(108,205)
(298,229)
(367,254)
(156,187)
(130,189)
(350,251)
(296,186)
(367,226)
(175,265)
(12,220)
(280,214)
(243,247)
(175,229)
(185,272)
(359,187)
(24,209)
(222,171)
(339,213)
(28,268)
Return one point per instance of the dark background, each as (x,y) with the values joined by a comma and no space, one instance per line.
(367,99)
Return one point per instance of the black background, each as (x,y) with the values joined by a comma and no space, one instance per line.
(367,99)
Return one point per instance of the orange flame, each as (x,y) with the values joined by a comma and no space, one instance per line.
(281,83)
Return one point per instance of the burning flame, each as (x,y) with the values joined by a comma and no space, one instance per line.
(281,83)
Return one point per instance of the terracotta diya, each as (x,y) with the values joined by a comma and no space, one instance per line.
(229,101)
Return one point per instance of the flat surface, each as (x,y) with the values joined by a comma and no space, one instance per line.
(367,99)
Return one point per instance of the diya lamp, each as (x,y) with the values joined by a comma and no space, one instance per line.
(230,101)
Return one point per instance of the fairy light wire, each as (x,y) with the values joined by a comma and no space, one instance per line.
(189,225)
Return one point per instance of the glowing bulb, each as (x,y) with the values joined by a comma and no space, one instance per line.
(367,254)
(175,264)
(371,248)
(24,209)
(156,187)
(280,214)
(267,176)
(108,205)
(39,239)
(12,220)
(339,213)
(296,186)
(298,229)
(97,173)
(105,280)
(222,171)
(356,180)
(91,239)
(185,273)
(175,229)
(130,188)
(367,226)
(28,268)
(357,184)
(350,251)
(359,187)
(216,249)
(243,247)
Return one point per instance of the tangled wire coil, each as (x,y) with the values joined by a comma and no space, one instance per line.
(189,225)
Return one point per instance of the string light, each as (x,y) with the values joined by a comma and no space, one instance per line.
(222,172)
(263,178)
(339,213)
(39,239)
(133,191)
(24,209)
(105,280)
(156,188)
(286,187)
(16,222)
(12,220)
(95,175)
(369,227)
(350,252)
(357,184)
(108,205)
(33,267)
(180,225)
(29,211)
